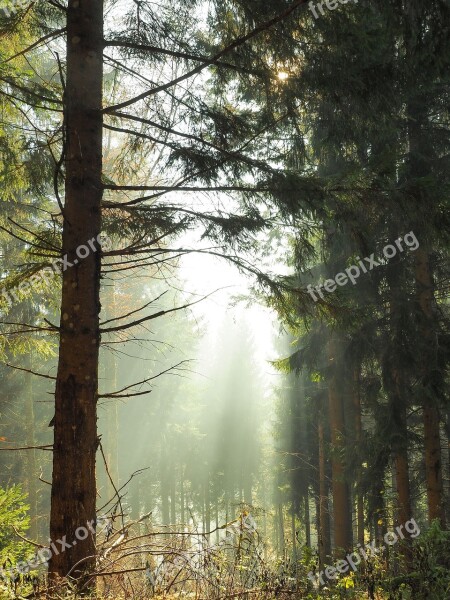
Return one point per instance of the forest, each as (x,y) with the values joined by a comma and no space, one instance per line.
(224,299)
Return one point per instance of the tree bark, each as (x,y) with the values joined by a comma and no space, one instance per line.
(340,488)
(73,494)
(281,529)
(431,420)
(324,533)
(400,449)
(358,436)
(307,521)
(31,463)
(207,506)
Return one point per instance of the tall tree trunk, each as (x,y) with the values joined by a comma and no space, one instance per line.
(324,530)
(425,203)
(173,493)
(400,449)
(182,501)
(358,436)
(447,431)
(307,521)
(207,506)
(31,455)
(165,506)
(431,420)
(340,488)
(281,529)
(112,416)
(216,513)
(293,532)
(73,493)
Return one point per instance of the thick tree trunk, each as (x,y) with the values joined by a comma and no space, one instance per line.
(75,437)
(431,420)
(433,464)
(400,449)
(340,487)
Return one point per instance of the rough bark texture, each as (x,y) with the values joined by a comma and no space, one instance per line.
(433,464)
(420,157)
(340,488)
(75,437)
(431,421)
(400,450)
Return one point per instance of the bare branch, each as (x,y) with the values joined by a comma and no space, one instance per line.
(30,371)
(48,447)
(114,394)
(134,311)
(155,315)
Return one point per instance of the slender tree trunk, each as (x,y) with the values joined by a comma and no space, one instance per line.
(340,488)
(182,508)
(248,489)
(307,520)
(281,529)
(112,416)
(173,496)
(165,506)
(447,431)
(216,509)
(293,532)
(207,506)
(358,436)
(31,456)
(73,493)
(324,530)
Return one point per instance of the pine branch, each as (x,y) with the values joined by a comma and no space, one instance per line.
(40,41)
(219,188)
(176,54)
(25,90)
(229,153)
(213,60)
